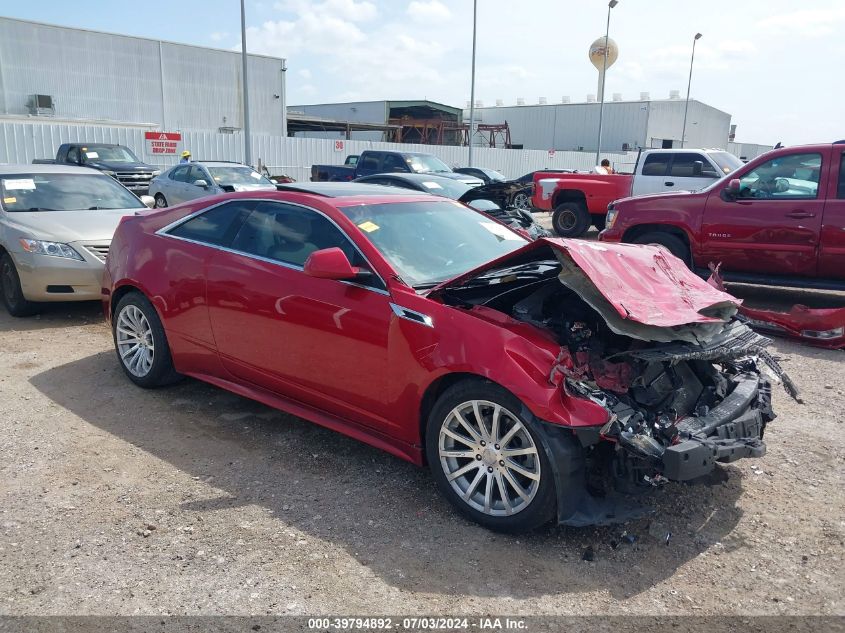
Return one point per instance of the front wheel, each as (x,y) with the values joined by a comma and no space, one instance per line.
(161,201)
(488,460)
(599,221)
(12,293)
(522,201)
(571,219)
(141,344)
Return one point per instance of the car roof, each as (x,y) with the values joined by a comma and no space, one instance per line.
(410,177)
(217,163)
(345,189)
(6,170)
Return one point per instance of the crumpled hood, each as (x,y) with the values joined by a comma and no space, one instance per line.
(252,187)
(641,291)
(69,226)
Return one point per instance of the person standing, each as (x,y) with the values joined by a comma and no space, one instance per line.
(186,157)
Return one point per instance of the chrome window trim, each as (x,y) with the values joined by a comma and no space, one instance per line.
(164,232)
(411,315)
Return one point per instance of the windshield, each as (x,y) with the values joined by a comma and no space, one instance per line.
(424,164)
(64,192)
(727,162)
(446,187)
(237,175)
(110,154)
(493,175)
(432,241)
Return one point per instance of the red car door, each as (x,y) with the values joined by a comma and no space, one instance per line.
(832,250)
(773,225)
(322,342)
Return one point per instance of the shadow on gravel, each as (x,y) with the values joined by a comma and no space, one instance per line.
(381,510)
(54,315)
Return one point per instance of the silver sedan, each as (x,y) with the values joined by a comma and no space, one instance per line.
(189,181)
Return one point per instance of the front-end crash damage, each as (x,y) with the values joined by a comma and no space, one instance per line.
(685,384)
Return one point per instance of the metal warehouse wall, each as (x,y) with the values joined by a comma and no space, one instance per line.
(100,76)
(22,141)
(747,151)
(569,126)
(706,126)
(362,112)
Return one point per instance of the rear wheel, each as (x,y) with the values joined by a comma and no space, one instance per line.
(488,460)
(141,343)
(571,219)
(161,201)
(671,243)
(10,283)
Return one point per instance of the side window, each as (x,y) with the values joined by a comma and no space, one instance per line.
(180,174)
(392,162)
(841,192)
(218,225)
(691,165)
(655,165)
(197,173)
(73,155)
(289,234)
(368,164)
(785,177)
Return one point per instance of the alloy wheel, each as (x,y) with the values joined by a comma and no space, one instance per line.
(489,458)
(522,201)
(135,344)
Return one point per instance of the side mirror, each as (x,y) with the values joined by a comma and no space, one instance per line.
(200,183)
(732,190)
(148,201)
(330,263)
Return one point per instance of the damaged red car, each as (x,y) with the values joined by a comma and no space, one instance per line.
(539,381)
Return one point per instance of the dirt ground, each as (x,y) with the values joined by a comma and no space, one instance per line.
(190,500)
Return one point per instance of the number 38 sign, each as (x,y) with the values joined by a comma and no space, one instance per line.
(339,146)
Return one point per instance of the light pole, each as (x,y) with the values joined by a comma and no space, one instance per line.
(245,88)
(610,5)
(689,84)
(472,83)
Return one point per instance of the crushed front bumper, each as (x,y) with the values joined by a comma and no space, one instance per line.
(732,430)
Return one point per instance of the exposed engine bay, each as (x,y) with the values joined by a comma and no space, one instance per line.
(678,398)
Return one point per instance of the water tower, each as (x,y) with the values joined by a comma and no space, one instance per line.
(596,53)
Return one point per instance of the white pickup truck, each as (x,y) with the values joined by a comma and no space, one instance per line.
(579,200)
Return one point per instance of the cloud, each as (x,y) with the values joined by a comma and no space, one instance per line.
(305,73)
(351,10)
(218,36)
(807,22)
(431,11)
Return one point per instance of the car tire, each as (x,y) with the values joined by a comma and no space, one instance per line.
(161,201)
(522,200)
(11,291)
(141,343)
(599,221)
(479,492)
(571,219)
(671,243)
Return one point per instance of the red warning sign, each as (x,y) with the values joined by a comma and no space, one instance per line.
(162,143)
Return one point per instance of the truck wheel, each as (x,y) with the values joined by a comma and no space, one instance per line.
(671,243)
(571,219)
(599,221)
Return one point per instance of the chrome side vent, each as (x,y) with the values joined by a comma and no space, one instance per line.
(412,315)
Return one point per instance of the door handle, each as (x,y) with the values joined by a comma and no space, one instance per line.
(669,183)
(800,215)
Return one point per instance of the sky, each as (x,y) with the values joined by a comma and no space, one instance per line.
(774,65)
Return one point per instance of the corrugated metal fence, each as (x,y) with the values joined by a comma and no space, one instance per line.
(23,141)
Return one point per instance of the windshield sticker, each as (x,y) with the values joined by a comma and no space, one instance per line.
(19,183)
(256,175)
(500,231)
(92,154)
(432,185)
(368,226)
(10,200)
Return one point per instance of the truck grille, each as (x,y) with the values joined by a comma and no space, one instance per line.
(98,250)
(132,180)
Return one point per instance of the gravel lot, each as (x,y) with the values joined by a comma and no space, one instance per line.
(190,500)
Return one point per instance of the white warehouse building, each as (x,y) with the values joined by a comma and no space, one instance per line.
(68,84)
(626,125)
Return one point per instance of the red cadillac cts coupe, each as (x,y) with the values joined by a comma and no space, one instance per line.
(536,379)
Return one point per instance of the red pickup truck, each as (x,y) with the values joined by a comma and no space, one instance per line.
(778,220)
